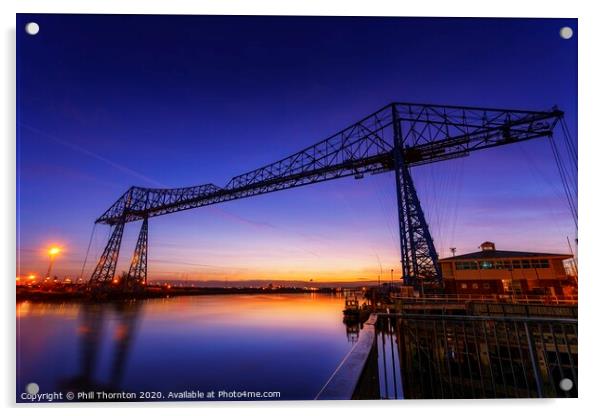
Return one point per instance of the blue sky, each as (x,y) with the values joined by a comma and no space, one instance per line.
(106,102)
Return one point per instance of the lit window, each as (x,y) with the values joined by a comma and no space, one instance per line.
(464,286)
(467,265)
(486,265)
(475,285)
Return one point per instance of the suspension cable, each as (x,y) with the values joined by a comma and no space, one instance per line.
(570,144)
(570,147)
(81,275)
(563,177)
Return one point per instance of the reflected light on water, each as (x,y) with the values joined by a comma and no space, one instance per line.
(274,342)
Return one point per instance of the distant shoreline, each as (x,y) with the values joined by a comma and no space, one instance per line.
(151,292)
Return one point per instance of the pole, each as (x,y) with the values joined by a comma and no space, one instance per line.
(572,254)
(534,361)
(50,265)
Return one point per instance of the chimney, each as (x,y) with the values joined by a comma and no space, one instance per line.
(487,246)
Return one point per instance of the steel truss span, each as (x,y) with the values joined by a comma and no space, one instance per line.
(395,138)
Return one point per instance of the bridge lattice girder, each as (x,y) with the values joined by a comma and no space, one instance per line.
(430,133)
(397,137)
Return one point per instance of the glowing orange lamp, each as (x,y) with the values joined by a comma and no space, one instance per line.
(52,253)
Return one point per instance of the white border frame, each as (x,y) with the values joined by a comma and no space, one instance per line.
(590,72)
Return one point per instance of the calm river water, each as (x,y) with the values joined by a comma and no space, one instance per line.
(282,343)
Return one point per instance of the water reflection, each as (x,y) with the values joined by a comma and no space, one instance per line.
(90,334)
(445,357)
(353,327)
(285,343)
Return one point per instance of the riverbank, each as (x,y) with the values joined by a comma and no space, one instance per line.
(81,293)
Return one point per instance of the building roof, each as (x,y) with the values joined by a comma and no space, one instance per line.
(502,254)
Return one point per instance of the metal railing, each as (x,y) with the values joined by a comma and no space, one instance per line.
(438,356)
(509,298)
(404,356)
(344,382)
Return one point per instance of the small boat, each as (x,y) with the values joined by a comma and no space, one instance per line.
(352,306)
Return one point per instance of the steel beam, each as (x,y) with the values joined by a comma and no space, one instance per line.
(419,258)
(104,271)
(136,277)
(395,138)
(429,133)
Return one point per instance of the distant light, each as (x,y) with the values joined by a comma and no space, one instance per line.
(53,251)
(32,276)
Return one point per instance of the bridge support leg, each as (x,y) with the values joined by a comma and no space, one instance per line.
(105,268)
(136,277)
(419,258)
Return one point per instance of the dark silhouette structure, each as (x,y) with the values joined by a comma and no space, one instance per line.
(395,138)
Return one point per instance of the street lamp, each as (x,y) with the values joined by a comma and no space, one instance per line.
(52,253)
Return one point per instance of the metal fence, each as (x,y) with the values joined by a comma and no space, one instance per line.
(437,356)
(509,298)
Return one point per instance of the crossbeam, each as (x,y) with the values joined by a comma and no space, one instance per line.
(429,133)
(397,137)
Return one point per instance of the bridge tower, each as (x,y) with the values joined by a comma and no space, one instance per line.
(103,276)
(419,259)
(104,272)
(136,277)
(397,137)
